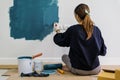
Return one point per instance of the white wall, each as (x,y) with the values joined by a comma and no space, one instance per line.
(105,14)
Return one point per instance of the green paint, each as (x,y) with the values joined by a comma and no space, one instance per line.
(33,19)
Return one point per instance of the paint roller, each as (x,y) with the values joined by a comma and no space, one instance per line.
(52,66)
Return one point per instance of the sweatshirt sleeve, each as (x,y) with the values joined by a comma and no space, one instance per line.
(103,47)
(62,39)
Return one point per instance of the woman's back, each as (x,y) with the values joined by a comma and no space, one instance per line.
(85,52)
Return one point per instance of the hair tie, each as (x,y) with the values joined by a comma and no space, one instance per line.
(86,11)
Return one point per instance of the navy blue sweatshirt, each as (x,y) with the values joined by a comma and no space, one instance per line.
(83,53)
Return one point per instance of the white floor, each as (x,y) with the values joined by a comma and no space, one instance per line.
(2,71)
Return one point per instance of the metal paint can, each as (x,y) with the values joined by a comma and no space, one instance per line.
(25,64)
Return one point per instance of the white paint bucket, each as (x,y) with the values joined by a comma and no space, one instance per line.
(25,64)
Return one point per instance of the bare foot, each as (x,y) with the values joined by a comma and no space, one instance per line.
(65,68)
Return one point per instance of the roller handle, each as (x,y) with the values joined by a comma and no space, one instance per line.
(37,55)
(60,71)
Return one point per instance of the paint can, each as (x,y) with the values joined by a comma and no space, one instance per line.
(25,64)
(38,66)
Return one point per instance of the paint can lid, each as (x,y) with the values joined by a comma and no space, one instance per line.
(24,57)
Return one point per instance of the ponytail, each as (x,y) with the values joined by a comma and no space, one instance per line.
(83,16)
(88,26)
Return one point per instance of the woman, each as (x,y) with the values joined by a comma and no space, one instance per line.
(85,41)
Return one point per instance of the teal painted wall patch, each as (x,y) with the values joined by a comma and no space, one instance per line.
(33,19)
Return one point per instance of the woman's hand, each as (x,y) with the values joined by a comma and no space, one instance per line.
(56,28)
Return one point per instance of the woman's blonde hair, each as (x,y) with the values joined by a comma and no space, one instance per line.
(83,13)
